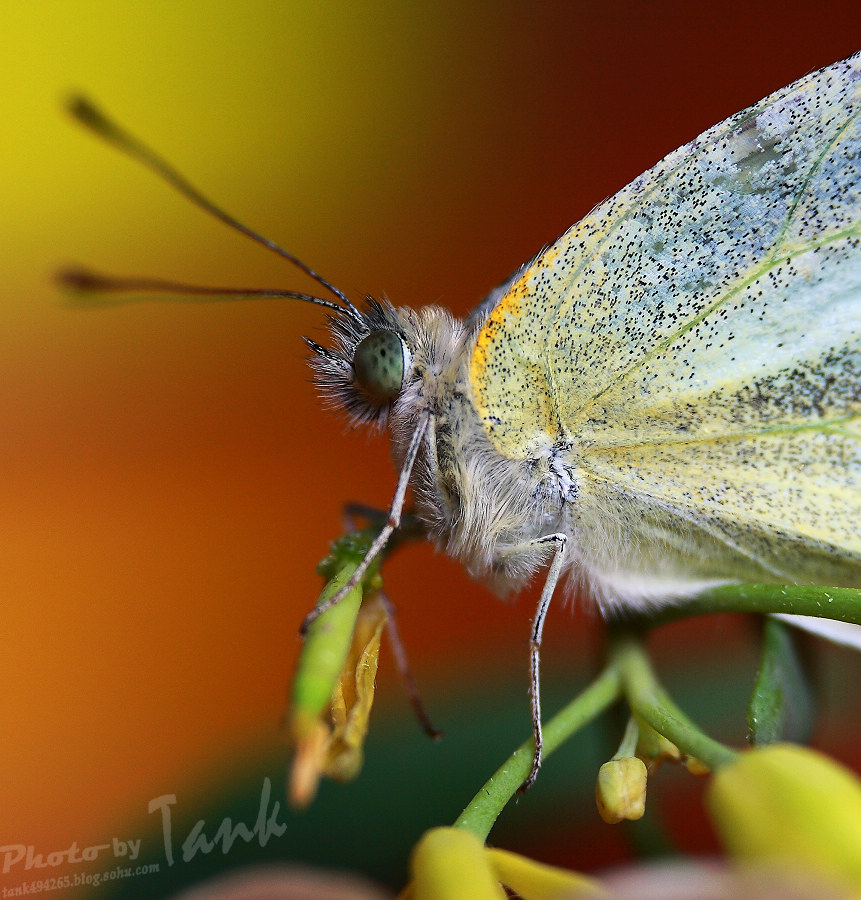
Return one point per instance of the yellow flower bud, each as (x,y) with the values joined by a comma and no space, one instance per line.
(793,807)
(620,791)
(654,748)
(333,689)
(696,766)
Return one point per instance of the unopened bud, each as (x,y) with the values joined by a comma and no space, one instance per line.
(620,791)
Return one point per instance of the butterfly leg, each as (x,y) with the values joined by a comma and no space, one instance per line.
(553,574)
(410,528)
(392,522)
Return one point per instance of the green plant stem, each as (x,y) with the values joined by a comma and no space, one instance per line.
(630,739)
(842,604)
(488,803)
(630,674)
(648,699)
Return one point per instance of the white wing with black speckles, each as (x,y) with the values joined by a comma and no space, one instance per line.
(699,339)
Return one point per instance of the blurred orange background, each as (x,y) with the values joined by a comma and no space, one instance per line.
(168,477)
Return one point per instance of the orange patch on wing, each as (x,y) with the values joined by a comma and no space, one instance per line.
(508,306)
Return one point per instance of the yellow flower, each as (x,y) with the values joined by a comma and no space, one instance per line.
(452,864)
(792,807)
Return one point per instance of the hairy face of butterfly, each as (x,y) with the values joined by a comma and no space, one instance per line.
(364,370)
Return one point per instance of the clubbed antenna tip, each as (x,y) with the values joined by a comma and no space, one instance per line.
(89,115)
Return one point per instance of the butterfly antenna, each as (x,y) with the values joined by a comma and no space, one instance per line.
(93,118)
(94,282)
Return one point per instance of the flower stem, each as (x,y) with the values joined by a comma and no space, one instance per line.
(630,674)
(647,697)
(628,746)
(842,604)
(488,803)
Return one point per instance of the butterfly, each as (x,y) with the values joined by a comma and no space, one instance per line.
(666,399)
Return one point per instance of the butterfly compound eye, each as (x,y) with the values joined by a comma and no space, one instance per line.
(379,363)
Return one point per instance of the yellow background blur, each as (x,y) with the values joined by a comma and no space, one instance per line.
(168,479)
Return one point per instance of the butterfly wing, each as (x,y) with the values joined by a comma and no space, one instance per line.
(693,350)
